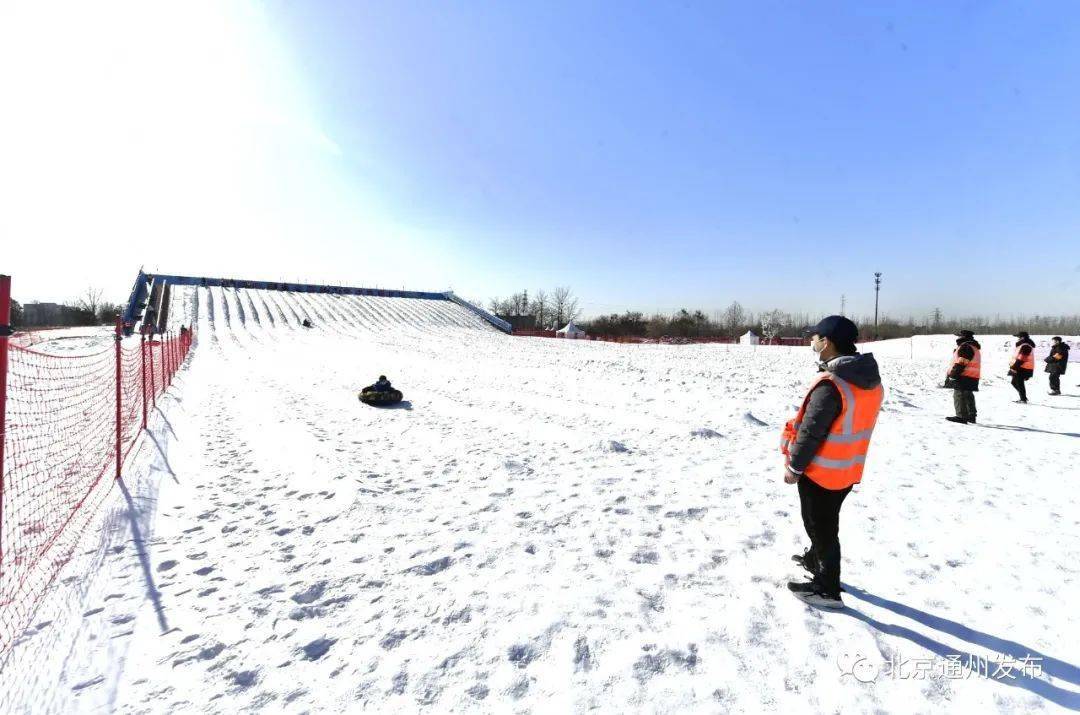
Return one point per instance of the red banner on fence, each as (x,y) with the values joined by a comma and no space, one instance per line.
(66,425)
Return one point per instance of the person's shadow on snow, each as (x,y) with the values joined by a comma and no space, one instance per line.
(403,405)
(1012,428)
(1054,667)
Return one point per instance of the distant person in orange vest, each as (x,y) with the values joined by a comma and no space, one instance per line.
(1056,363)
(1023,364)
(964,376)
(825,448)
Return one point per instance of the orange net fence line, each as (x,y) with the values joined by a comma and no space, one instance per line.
(68,423)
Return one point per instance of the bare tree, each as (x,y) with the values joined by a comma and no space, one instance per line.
(501,306)
(560,299)
(90,300)
(540,309)
(573,312)
(771,323)
(734,317)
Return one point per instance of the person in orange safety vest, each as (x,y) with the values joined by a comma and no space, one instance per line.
(1022,367)
(825,447)
(964,376)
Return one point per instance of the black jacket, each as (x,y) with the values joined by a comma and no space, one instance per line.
(379,386)
(1026,345)
(824,405)
(966,349)
(1058,360)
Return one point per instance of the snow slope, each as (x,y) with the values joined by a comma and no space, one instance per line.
(551,526)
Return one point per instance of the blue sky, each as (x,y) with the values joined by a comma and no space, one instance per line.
(661,155)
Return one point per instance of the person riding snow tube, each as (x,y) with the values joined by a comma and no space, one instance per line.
(380,393)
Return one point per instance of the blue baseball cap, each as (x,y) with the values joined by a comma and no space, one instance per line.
(836,328)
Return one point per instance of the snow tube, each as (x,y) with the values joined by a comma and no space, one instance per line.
(377,399)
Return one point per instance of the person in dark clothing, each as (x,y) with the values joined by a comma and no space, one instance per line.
(1056,363)
(1023,365)
(812,434)
(964,376)
(306,323)
(381,385)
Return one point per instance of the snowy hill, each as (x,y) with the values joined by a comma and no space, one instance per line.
(552,526)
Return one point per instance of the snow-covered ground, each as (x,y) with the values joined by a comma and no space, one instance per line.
(67,341)
(553,526)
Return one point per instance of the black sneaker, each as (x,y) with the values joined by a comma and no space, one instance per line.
(958,420)
(808,561)
(812,594)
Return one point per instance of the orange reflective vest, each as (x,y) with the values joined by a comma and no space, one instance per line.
(1027,362)
(972,367)
(839,460)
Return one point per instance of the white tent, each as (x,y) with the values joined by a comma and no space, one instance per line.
(749,338)
(570,331)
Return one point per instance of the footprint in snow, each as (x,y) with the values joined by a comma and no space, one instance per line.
(705,433)
(522,654)
(393,639)
(244,679)
(317,648)
(431,568)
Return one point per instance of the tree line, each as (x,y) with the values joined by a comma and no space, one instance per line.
(549,311)
(733,321)
(88,309)
(937,323)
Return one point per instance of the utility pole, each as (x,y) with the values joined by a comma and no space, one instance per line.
(843,303)
(877,292)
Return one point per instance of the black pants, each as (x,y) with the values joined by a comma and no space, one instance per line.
(1018,382)
(1055,382)
(964,402)
(821,518)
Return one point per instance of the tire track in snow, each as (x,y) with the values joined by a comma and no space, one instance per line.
(354,320)
(210,328)
(296,307)
(237,328)
(301,299)
(261,321)
(273,297)
(369,316)
(333,306)
(268,313)
(420,310)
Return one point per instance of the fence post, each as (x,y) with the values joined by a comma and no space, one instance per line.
(5,332)
(153,381)
(161,356)
(142,352)
(119,428)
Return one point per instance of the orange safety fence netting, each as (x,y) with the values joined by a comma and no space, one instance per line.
(59,459)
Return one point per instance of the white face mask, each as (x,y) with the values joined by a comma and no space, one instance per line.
(817,346)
